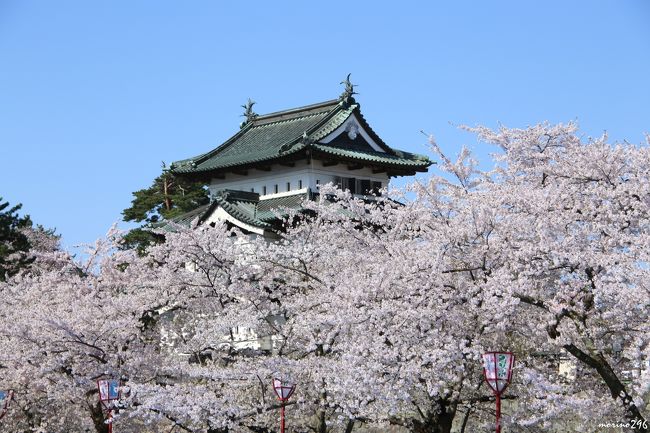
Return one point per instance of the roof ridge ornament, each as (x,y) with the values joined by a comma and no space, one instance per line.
(348,92)
(221,194)
(249,114)
(306,139)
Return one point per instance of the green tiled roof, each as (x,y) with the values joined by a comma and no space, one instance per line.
(246,207)
(187,218)
(270,209)
(398,158)
(276,136)
(243,206)
(184,219)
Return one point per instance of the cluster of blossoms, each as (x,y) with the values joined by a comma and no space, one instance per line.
(378,309)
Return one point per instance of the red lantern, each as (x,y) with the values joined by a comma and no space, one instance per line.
(497,369)
(284,390)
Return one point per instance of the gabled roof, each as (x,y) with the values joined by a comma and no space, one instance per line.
(288,134)
(245,207)
(250,212)
(185,219)
(240,205)
(273,208)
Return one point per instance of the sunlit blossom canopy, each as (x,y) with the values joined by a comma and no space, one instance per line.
(371,306)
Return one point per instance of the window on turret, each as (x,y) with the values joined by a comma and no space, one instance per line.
(376,186)
(288,186)
(264,190)
(252,189)
(276,188)
(300,184)
(364,186)
(351,184)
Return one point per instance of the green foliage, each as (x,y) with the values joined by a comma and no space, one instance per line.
(168,197)
(14,243)
(140,239)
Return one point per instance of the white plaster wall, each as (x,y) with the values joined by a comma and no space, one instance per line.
(310,174)
(221,215)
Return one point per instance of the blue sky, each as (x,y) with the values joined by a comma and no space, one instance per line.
(94,95)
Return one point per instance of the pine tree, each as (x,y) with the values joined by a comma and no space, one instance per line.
(167,197)
(21,241)
(14,243)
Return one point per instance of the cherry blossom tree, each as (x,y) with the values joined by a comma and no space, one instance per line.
(379,309)
(561,230)
(67,323)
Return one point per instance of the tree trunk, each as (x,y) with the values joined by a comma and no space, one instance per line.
(322,424)
(598,363)
(99,417)
(439,420)
(168,200)
(616,387)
